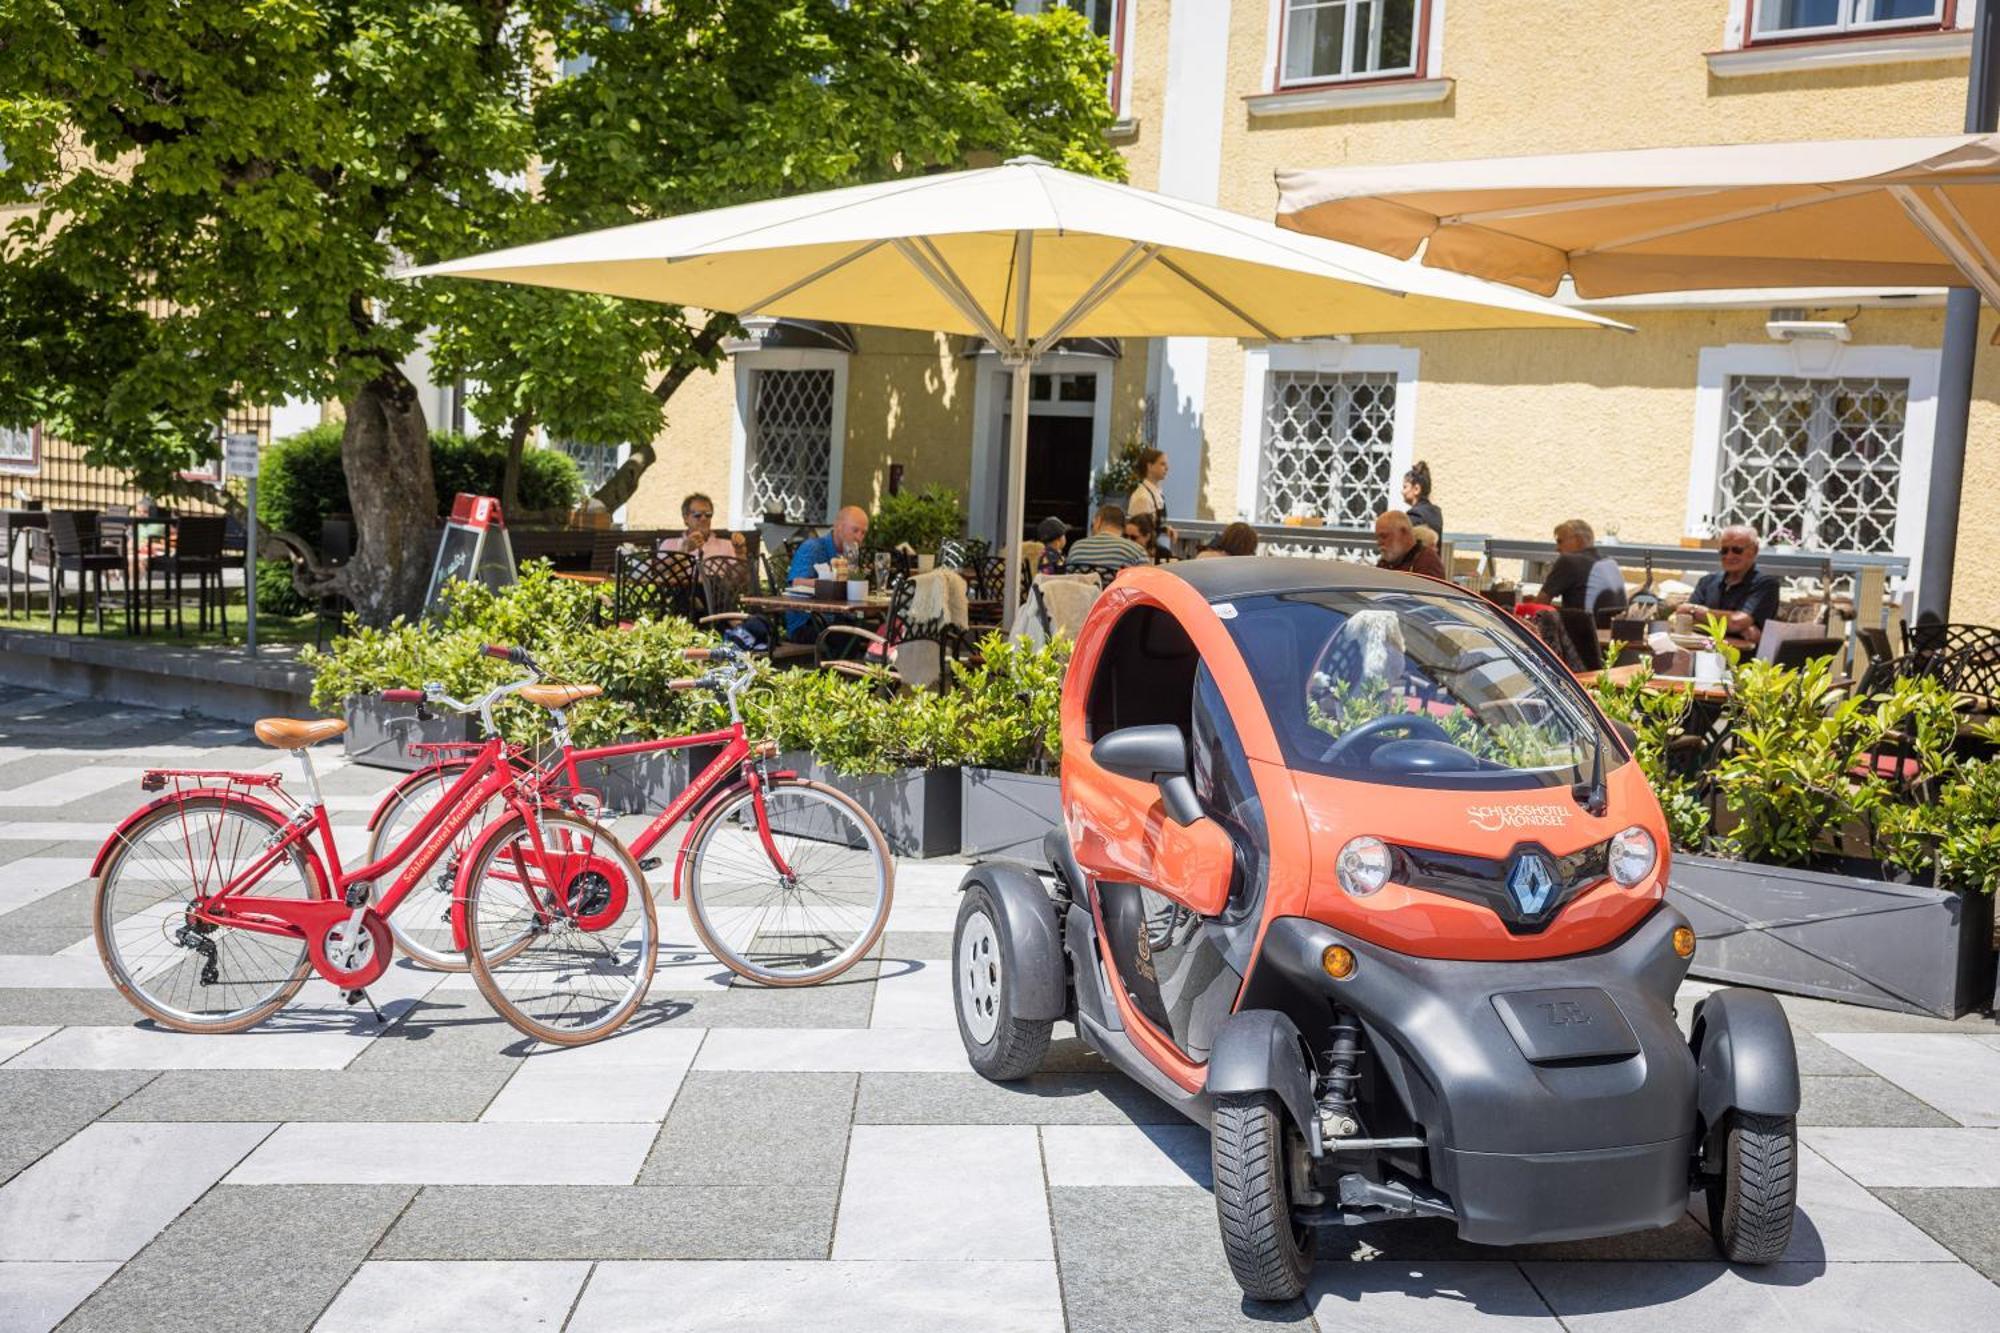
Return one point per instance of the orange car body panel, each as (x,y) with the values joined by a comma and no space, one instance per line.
(1119,832)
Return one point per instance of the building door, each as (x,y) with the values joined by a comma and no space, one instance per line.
(1064,424)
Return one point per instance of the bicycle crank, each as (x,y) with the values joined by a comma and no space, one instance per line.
(352,962)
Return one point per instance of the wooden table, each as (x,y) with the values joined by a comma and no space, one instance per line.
(871,608)
(580,576)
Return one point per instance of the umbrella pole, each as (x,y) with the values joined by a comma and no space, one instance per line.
(1022,369)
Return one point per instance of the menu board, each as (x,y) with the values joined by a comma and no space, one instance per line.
(474,547)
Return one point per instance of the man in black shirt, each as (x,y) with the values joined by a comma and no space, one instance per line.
(1739,593)
(1582,578)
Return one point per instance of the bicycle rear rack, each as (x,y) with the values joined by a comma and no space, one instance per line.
(183,780)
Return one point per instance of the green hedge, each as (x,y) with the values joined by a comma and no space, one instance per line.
(301,483)
(1000,714)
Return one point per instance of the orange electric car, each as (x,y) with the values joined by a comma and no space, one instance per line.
(1353,871)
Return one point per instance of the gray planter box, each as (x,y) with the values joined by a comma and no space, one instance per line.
(917,808)
(644,784)
(1006,814)
(1891,946)
(379,734)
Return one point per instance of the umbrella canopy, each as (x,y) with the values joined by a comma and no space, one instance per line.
(1021,254)
(1865,212)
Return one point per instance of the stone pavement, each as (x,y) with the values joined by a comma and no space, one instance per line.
(744,1158)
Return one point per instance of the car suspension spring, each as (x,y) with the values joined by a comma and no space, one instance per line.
(1337,1117)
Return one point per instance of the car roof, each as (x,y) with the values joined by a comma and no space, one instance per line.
(1222,580)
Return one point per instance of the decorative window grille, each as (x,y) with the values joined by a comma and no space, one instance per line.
(1813,463)
(597,462)
(18,450)
(1327,445)
(790,443)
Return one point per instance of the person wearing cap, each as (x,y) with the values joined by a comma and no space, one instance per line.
(1053,534)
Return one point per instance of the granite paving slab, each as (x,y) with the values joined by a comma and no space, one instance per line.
(762,1128)
(770,1221)
(1964,1221)
(419,1296)
(42,1108)
(753,1297)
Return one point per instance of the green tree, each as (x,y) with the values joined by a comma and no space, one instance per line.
(222,192)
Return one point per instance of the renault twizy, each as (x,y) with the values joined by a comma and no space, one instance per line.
(1354,872)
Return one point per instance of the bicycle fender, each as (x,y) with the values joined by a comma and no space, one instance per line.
(225,794)
(461,885)
(700,818)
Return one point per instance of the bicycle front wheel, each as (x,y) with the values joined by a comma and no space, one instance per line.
(801,898)
(560,927)
(421,922)
(186,973)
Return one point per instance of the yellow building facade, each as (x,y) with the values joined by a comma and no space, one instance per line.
(1701,414)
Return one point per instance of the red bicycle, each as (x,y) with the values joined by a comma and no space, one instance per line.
(214,902)
(787,881)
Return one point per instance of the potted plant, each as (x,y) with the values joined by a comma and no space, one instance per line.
(921,520)
(1012,736)
(1852,856)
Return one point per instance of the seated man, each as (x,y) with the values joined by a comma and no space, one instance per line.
(1107,546)
(1397,541)
(1582,578)
(1738,592)
(850,528)
(701,538)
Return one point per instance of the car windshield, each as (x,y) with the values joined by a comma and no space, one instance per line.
(1414,688)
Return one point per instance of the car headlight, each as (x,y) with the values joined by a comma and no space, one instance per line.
(1363,866)
(1632,855)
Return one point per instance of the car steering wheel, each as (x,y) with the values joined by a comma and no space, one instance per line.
(1362,741)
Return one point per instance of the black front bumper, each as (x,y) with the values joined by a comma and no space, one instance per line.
(1592,1136)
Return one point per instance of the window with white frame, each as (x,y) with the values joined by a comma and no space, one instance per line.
(1816,463)
(1328,446)
(1327,41)
(1828,18)
(789,442)
(18,448)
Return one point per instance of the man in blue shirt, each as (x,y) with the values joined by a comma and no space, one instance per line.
(1738,593)
(850,528)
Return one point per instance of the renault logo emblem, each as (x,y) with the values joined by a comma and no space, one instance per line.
(1532,882)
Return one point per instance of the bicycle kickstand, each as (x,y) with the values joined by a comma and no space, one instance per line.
(361,996)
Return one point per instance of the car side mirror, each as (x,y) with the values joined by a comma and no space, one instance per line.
(1157,754)
(1626,733)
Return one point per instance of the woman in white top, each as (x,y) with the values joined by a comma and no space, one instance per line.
(1148,497)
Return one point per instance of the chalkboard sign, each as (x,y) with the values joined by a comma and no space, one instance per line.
(474,548)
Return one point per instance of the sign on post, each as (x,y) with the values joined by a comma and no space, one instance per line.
(474,547)
(239,459)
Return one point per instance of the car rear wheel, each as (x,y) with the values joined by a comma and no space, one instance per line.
(1268,1251)
(1000,1046)
(1751,1205)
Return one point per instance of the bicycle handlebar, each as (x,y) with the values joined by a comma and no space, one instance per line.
(517,655)
(403,696)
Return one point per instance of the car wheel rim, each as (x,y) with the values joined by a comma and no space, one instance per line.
(979,978)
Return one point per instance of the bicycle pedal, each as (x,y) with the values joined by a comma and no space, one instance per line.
(650,863)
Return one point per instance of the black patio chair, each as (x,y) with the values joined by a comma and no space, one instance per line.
(198,550)
(655,583)
(73,544)
(1105,573)
(906,653)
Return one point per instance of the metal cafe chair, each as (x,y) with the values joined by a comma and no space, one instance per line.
(198,549)
(73,544)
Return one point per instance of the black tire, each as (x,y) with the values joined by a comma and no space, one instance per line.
(1000,1046)
(1751,1205)
(1268,1252)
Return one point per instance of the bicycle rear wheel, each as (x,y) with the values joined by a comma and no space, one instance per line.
(805,905)
(188,974)
(560,927)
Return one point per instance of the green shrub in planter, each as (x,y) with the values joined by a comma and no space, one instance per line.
(919,519)
(1010,705)
(1655,717)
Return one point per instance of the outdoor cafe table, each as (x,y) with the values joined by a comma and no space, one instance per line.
(869,608)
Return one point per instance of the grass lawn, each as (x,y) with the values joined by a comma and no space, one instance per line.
(270,629)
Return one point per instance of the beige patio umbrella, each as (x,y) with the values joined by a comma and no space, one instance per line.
(1022,255)
(1865,212)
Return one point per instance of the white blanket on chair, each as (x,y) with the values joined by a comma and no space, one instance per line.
(1057,604)
(939,595)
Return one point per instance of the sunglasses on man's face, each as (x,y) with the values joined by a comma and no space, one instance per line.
(701,514)
(1735,550)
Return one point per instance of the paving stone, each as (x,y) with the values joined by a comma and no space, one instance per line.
(446,1030)
(18,1039)
(422,1296)
(1840,1222)
(303,1240)
(478,1154)
(1916,1158)
(34,1297)
(52,922)
(1150,1258)
(752,1297)
(1906,1298)
(620,1222)
(1446,1295)
(1095,1098)
(1959,1075)
(272,1045)
(1826,1016)
(39,1108)
(67,1008)
(1426,1240)
(926,945)
(313,1095)
(30,879)
(864,1050)
(107,1190)
(631,1077)
(1964,1221)
(754,1128)
(1126,1155)
(14,850)
(1816,1058)
(1866,1100)
(915,995)
(748,1006)
(942,1192)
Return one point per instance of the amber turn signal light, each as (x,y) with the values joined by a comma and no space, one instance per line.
(1338,960)
(1684,941)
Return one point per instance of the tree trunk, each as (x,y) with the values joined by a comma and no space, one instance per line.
(386,454)
(510,472)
